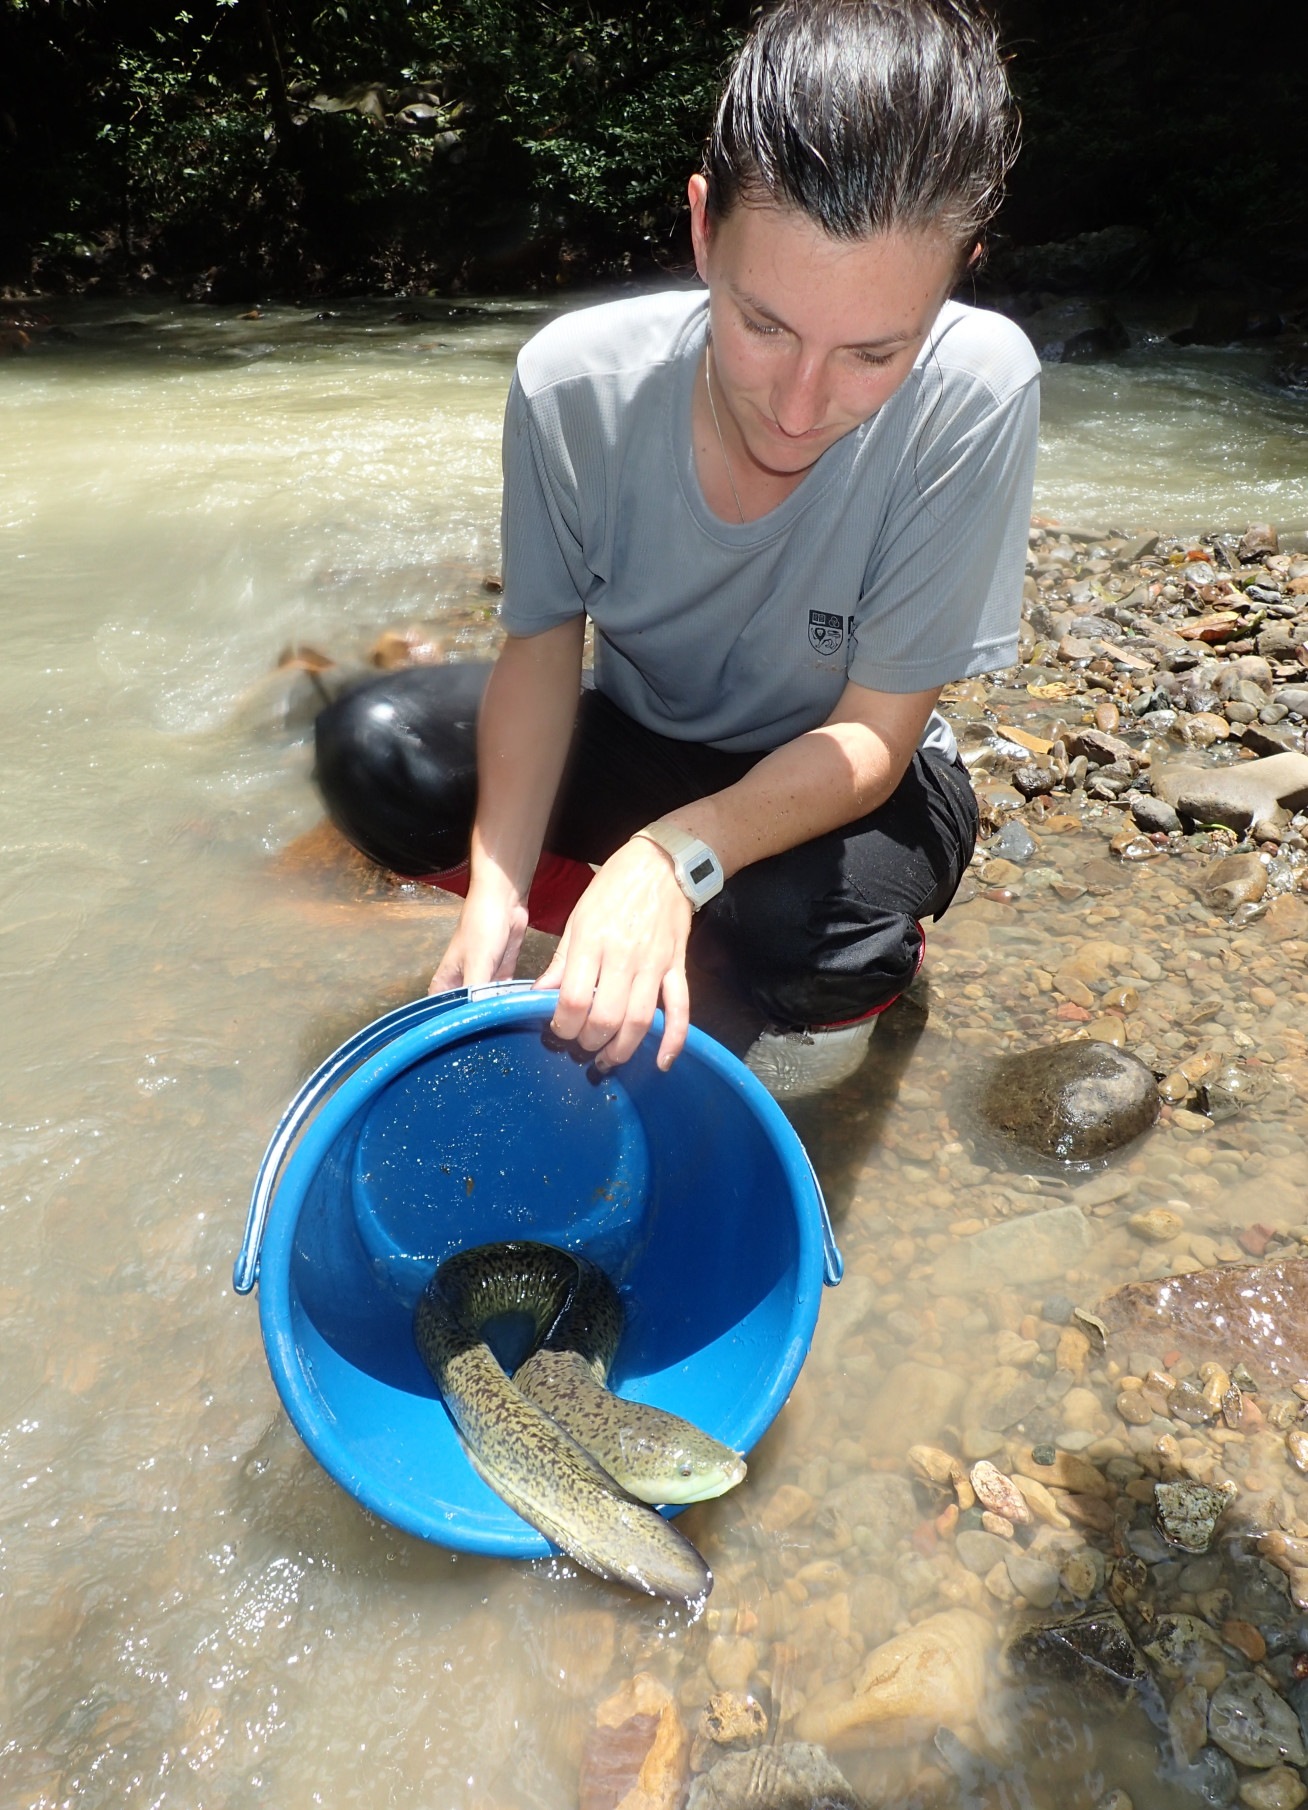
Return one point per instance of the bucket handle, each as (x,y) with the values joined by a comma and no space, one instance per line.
(321,1083)
(833,1264)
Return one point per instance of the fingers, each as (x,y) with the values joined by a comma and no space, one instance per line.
(676,1014)
(484,947)
(641,1004)
(449,975)
(576,986)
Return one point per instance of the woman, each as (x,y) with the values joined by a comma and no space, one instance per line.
(793,509)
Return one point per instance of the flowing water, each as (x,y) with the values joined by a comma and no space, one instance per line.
(191,1613)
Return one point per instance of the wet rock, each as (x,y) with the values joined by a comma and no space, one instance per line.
(1211,1780)
(1094,1653)
(1258,540)
(1184,1646)
(1248,1720)
(1188,1403)
(1246,1639)
(1037,1248)
(937,1672)
(638,1746)
(1081,1575)
(1155,816)
(1264,738)
(1076,332)
(1031,779)
(980,1551)
(1187,1721)
(1157,1225)
(1062,1470)
(1234,1086)
(1200,1575)
(1134,1409)
(1076,1101)
(999,1493)
(1279,1789)
(1250,793)
(1034,1579)
(1043,1505)
(1013,843)
(797,1776)
(914,1403)
(1100,749)
(1233,880)
(1256,1314)
(1187,1513)
(731,1660)
(734,1719)
(1286,918)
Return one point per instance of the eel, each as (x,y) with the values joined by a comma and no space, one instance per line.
(518,1449)
(656,1457)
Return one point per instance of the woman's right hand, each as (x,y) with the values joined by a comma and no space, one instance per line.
(486,941)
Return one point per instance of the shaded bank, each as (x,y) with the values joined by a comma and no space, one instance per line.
(270,147)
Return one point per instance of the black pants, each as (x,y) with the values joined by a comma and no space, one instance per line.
(820,934)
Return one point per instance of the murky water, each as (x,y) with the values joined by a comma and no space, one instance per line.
(190,1612)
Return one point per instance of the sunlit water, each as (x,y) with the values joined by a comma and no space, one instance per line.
(191,1613)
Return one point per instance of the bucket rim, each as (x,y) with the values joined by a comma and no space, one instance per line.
(411,1045)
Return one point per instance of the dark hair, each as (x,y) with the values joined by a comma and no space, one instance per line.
(867,115)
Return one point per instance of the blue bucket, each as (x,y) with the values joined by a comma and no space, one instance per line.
(456,1121)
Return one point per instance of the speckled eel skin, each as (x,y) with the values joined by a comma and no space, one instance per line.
(532,1452)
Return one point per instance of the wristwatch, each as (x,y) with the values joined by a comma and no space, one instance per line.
(697,868)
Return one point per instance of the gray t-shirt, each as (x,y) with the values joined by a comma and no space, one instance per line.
(897,562)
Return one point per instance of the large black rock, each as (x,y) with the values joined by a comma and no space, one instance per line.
(1094,1653)
(1075,1100)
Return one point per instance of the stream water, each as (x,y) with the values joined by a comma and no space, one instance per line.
(191,1613)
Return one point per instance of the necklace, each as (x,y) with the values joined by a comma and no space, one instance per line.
(722,445)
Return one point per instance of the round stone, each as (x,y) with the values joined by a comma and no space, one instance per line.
(1249,1721)
(1279,1789)
(1076,1100)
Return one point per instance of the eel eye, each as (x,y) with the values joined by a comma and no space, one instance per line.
(686,1469)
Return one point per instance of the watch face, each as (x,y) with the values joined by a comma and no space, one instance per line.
(702,870)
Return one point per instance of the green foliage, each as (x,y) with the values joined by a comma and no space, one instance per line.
(234,147)
(226,136)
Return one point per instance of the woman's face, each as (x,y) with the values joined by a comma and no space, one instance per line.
(811,334)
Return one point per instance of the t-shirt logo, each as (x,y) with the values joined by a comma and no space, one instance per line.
(825,631)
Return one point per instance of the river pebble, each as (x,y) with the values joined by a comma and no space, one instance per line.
(1255,1726)
(1278,1789)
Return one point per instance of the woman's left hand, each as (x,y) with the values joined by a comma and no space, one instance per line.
(623,946)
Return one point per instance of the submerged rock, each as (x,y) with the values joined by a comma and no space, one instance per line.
(639,1746)
(1234,1086)
(936,1672)
(1251,1313)
(1039,1247)
(1076,1101)
(914,1403)
(1233,880)
(798,1776)
(1182,1644)
(1211,1780)
(1248,1720)
(1279,1789)
(1077,332)
(1094,1653)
